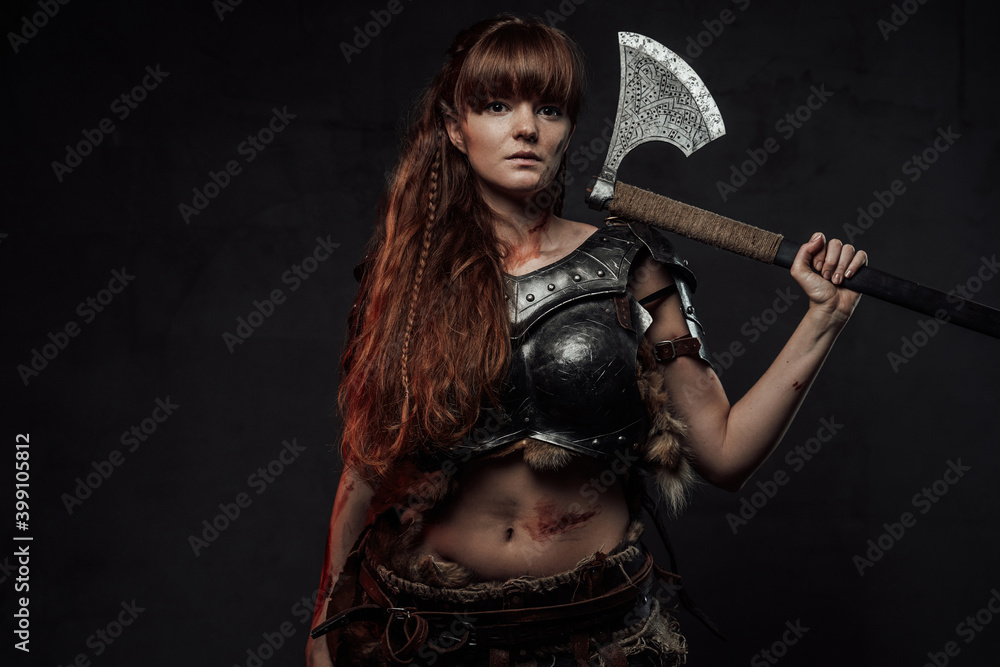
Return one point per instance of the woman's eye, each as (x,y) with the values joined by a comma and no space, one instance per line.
(550,111)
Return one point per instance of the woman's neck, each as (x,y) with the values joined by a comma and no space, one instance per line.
(524,231)
(519,221)
(529,231)
(520,213)
(530,243)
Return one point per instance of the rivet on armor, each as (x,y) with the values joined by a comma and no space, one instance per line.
(685,262)
(527,419)
(607,310)
(576,277)
(690,310)
(621,438)
(601,273)
(530,297)
(551,287)
(595,441)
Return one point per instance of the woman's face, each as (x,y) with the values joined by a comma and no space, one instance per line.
(515,146)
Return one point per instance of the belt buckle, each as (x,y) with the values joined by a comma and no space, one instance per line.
(593,575)
(663,357)
(470,633)
(401,613)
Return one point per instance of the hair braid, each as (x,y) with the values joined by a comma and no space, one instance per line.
(410,379)
(432,202)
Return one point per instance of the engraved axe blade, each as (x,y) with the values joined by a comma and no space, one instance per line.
(661,99)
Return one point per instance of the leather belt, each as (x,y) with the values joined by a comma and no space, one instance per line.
(408,628)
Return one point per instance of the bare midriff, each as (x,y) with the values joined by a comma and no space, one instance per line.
(509,520)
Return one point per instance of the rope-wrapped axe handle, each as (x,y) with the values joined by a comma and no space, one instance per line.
(640,205)
(694,223)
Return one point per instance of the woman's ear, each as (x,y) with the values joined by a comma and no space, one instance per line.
(454,129)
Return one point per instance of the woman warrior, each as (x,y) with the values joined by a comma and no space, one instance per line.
(510,379)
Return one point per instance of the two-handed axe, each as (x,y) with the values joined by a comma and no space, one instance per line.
(663,99)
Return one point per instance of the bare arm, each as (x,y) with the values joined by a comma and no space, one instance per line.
(731,441)
(350,509)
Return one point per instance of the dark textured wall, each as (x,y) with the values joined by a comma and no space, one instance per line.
(114,516)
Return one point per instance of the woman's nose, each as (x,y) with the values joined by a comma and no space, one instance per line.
(525,123)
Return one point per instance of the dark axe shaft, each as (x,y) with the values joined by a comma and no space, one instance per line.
(633,203)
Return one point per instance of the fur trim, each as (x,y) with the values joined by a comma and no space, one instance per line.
(398,511)
(540,456)
(676,485)
(397,549)
(404,570)
(665,452)
(410,491)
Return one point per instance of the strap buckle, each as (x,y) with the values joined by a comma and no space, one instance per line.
(400,613)
(686,344)
(661,356)
(468,638)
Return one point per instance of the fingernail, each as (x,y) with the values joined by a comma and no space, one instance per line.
(815,236)
(836,279)
(847,274)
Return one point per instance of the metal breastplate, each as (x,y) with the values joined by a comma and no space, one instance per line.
(575,333)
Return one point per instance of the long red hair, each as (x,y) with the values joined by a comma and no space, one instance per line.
(429,332)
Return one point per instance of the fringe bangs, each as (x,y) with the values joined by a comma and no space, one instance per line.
(520,59)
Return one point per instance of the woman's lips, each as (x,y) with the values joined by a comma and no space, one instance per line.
(524,158)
